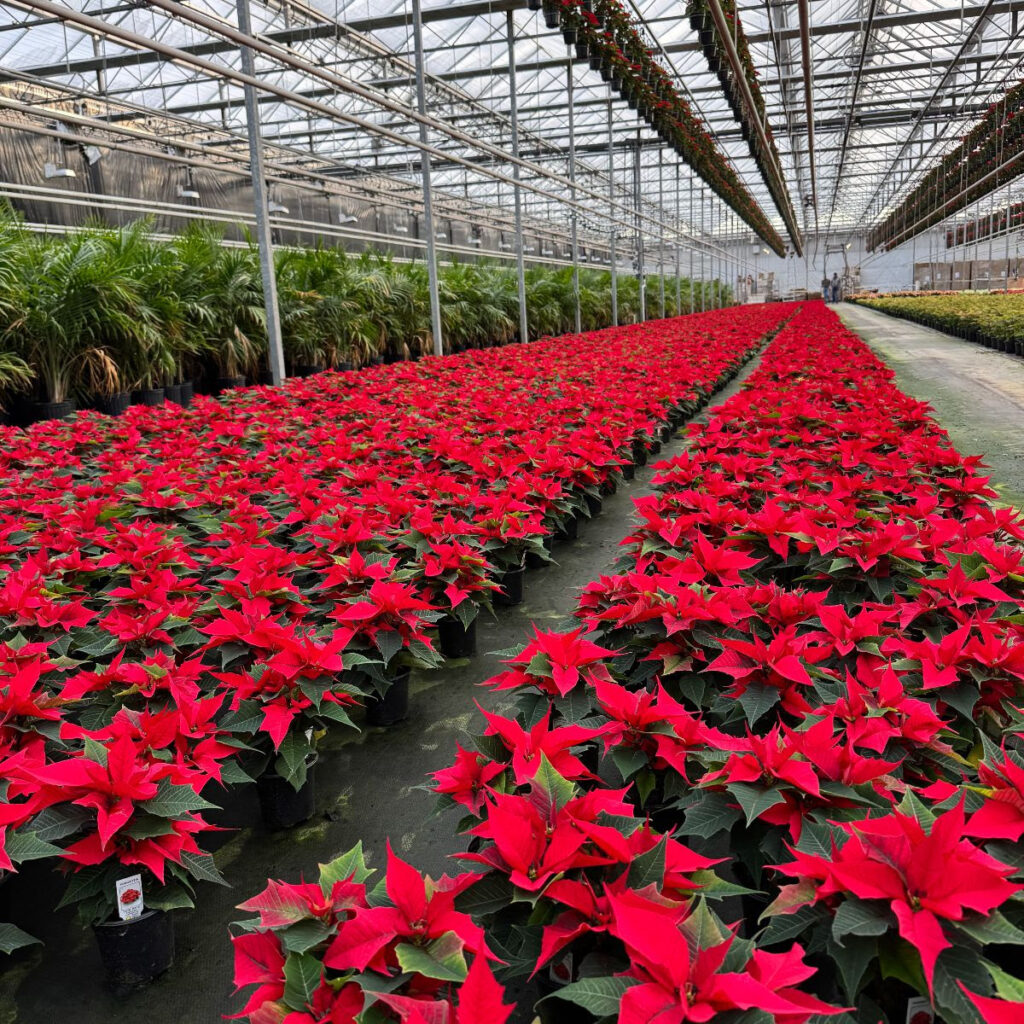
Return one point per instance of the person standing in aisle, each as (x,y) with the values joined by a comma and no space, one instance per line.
(826,288)
(836,288)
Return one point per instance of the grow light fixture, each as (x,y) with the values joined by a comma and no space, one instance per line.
(547,252)
(93,154)
(476,241)
(529,248)
(349,218)
(505,247)
(277,208)
(51,170)
(441,236)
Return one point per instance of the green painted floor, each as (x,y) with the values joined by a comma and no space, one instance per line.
(977,394)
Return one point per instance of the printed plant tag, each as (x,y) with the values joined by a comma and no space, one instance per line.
(129,897)
(919,1011)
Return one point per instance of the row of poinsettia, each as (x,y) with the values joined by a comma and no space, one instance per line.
(606,33)
(808,670)
(187,596)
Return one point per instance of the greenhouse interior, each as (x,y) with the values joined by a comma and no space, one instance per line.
(510,511)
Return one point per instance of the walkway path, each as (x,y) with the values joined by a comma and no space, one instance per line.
(977,393)
(366,791)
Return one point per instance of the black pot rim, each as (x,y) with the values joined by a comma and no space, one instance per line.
(116,922)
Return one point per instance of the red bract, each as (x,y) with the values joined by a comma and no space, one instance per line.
(422,911)
(925,877)
(676,983)
(555,663)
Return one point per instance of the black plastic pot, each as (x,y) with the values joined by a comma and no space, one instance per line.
(112,405)
(172,393)
(393,707)
(552,16)
(281,804)
(594,504)
(226,383)
(534,5)
(38,412)
(582,49)
(344,366)
(666,432)
(570,528)
(569,35)
(511,583)
(135,952)
(596,63)
(148,396)
(308,370)
(628,471)
(639,453)
(456,640)
(187,392)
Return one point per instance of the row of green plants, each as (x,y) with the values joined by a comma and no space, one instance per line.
(100,311)
(994,319)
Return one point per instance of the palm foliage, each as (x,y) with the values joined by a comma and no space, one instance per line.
(100,310)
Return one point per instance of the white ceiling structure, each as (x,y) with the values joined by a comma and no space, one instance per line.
(895,83)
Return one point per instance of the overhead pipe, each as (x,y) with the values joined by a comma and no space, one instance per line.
(774,170)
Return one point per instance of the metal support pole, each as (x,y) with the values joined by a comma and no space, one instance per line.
(1009,218)
(524,331)
(259,201)
(661,234)
(679,283)
(428,207)
(690,223)
(639,231)
(611,201)
(703,290)
(574,234)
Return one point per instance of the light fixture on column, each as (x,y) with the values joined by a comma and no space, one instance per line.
(348,218)
(505,247)
(529,248)
(441,236)
(273,207)
(547,252)
(93,154)
(188,190)
(52,170)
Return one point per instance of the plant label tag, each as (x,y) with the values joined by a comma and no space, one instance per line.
(920,1011)
(129,897)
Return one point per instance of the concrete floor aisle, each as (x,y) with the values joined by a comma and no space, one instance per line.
(366,791)
(977,393)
